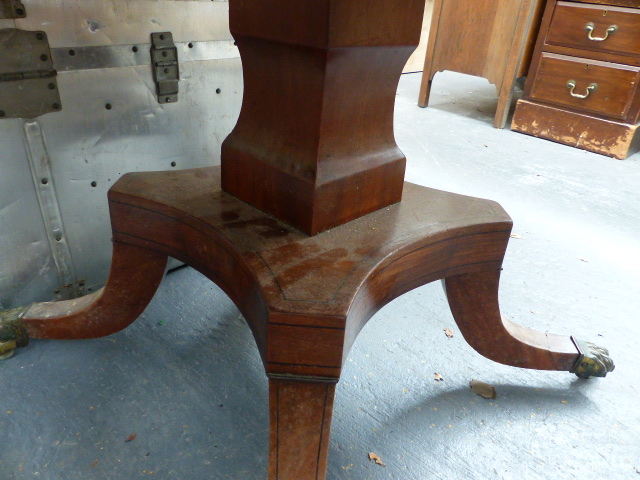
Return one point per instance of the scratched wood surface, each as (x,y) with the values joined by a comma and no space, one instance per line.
(288,284)
(602,119)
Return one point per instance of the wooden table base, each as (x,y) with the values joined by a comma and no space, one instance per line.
(305,298)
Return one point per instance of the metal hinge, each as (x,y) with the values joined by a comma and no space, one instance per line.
(28,86)
(164,62)
(12,9)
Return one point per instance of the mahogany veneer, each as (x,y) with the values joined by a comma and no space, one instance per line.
(314,144)
(305,298)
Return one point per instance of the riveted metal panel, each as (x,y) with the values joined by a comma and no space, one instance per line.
(116,22)
(111,123)
(27,269)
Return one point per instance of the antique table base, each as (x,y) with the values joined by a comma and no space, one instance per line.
(323,241)
(305,298)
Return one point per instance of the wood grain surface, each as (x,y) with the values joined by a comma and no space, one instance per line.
(314,143)
(605,121)
(570,20)
(489,39)
(133,279)
(306,298)
(614,96)
(588,132)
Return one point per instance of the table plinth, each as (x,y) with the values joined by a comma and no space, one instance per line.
(305,298)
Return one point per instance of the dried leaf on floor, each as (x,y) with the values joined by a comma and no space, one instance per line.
(375,458)
(485,390)
(516,236)
(448,332)
(437,377)
(131,437)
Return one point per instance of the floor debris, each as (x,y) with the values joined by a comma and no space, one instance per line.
(375,458)
(483,389)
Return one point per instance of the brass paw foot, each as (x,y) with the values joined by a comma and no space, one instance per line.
(593,361)
(13,333)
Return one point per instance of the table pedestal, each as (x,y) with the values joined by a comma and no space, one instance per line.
(305,298)
(313,147)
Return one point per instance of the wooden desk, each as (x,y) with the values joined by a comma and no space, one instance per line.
(492,39)
(584,87)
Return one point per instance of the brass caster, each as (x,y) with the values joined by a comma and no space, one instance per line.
(593,361)
(13,333)
(7,349)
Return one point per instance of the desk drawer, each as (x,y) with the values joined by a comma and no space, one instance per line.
(613,95)
(610,29)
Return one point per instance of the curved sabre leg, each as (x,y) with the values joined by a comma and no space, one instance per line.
(133,279)
(473,299)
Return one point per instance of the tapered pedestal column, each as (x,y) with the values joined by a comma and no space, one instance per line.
(314,144)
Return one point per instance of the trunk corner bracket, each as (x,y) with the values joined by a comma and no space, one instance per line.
(28,86)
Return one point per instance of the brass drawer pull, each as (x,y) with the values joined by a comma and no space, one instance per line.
(571,85)
(610,31)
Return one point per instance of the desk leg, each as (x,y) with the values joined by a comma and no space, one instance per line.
(427,74)
(505,91)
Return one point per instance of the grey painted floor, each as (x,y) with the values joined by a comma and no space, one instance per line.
(186,378)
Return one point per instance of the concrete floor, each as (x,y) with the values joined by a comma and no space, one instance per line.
(186,378)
